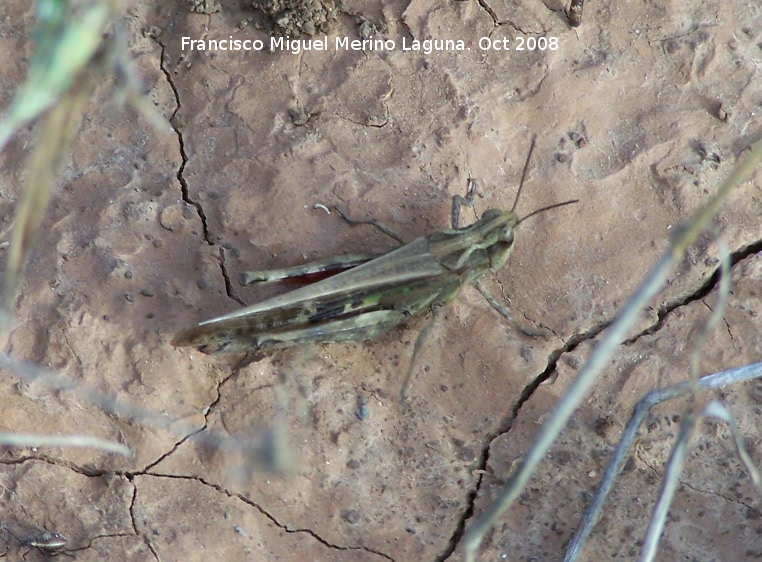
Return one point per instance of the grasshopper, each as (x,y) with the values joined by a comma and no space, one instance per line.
(369,295)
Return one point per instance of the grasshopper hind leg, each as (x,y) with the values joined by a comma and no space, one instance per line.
(320,268)
(418,344)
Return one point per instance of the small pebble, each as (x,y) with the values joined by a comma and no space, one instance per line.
(351,516)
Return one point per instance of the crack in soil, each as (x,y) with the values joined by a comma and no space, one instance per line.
(752,510)
(260,452)
(707,287)
(226,276)
(54,461)
(372,121)
(207,410)
(487,8)
(496,20)
(181,141)
(659,474)
(726,324)
(232,495)
(145,539)
(181,170)
(174,448)
(91,540)
(637,453)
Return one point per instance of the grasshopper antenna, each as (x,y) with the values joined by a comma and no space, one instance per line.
(524,173)
(521,184)
(548,208)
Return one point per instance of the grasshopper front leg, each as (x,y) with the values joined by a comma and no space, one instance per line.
(505,314)
(458,201)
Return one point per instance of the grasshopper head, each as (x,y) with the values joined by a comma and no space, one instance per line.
(497,228)
(500,226)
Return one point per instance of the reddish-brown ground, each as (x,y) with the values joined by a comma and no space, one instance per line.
(639,114)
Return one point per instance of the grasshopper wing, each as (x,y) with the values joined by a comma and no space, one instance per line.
(358,304)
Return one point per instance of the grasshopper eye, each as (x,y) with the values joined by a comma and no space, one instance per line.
(506,237)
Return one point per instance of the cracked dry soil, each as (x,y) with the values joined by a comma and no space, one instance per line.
(639,113)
